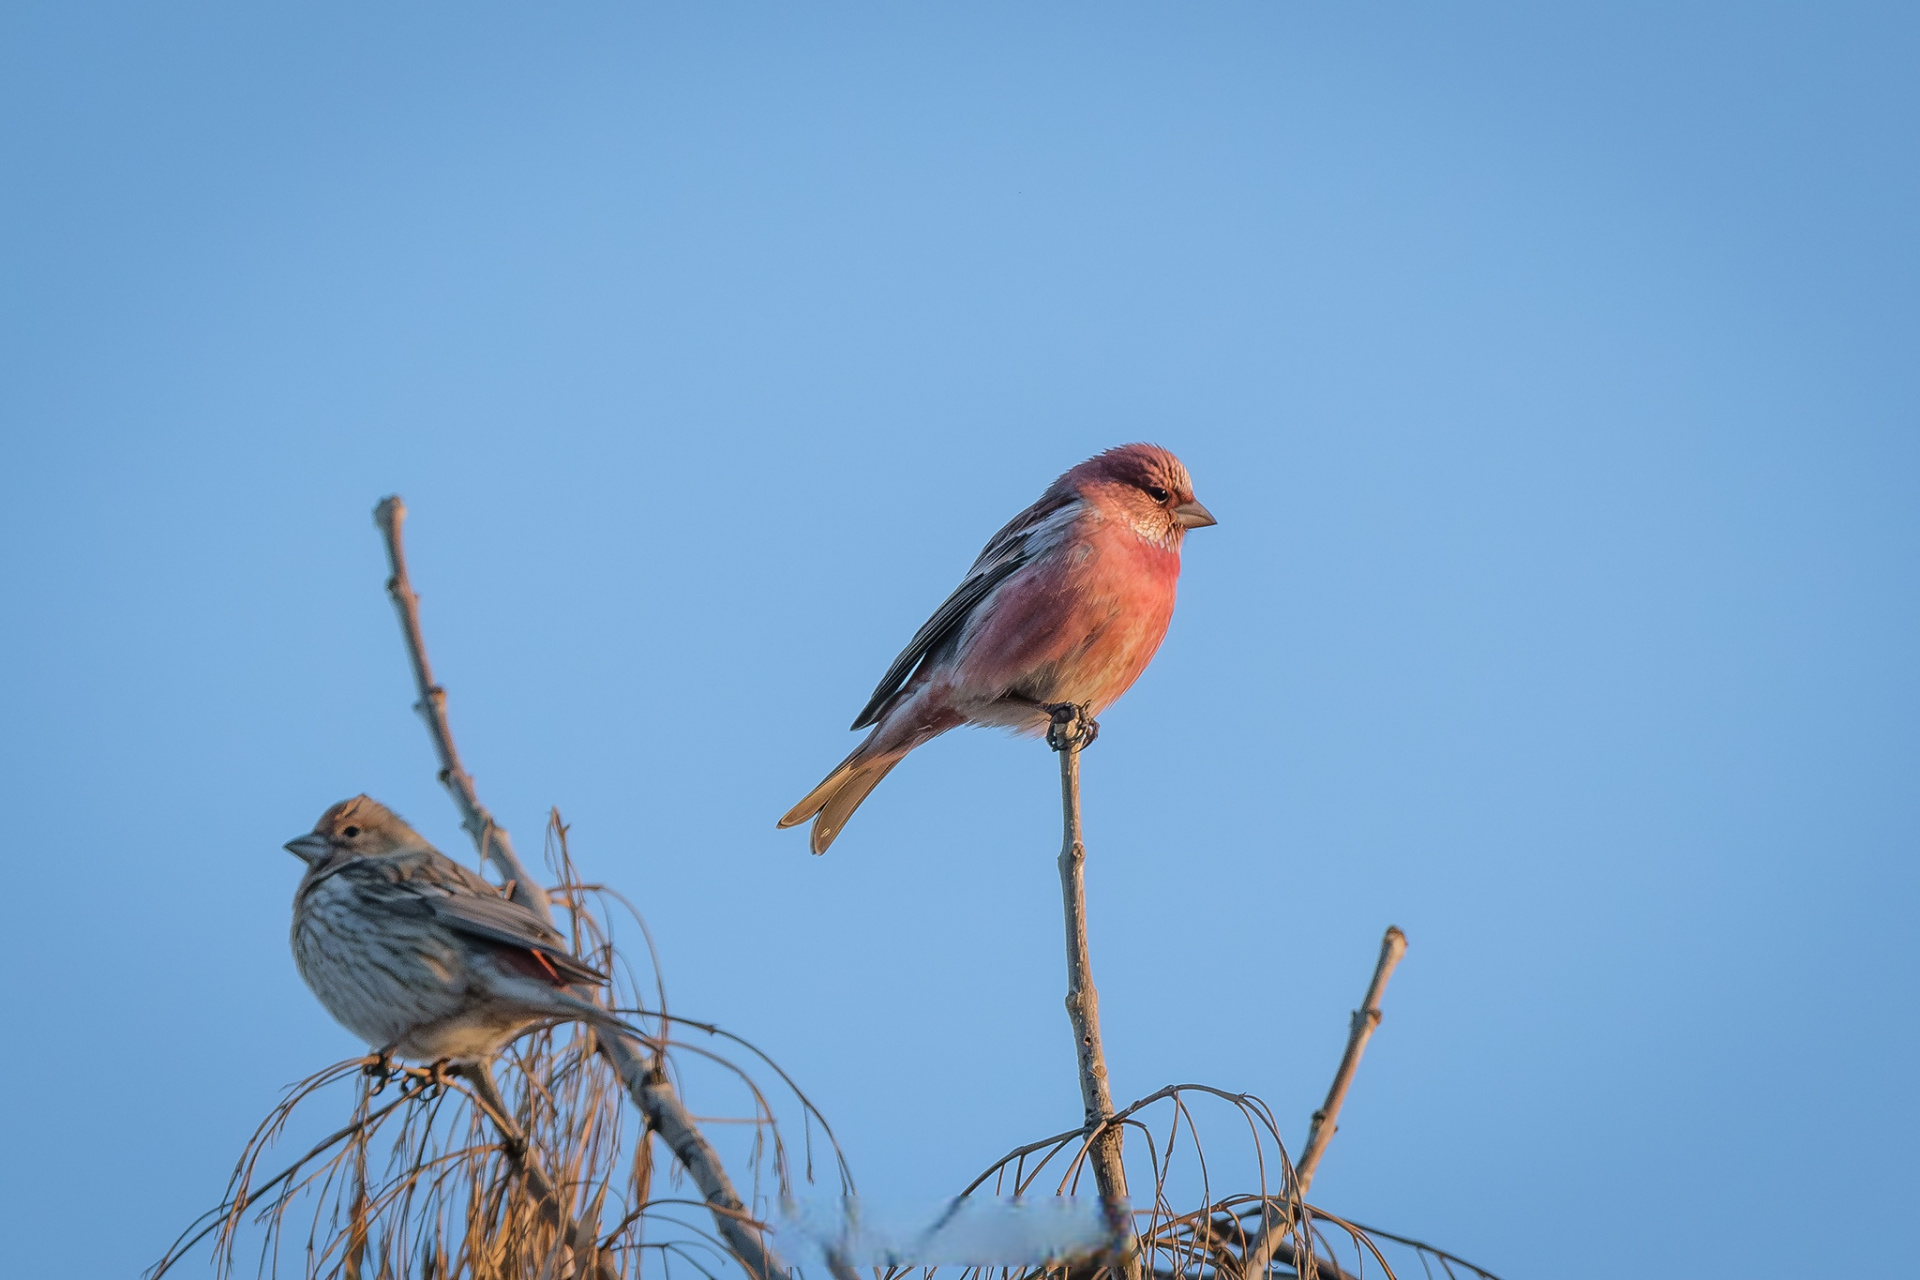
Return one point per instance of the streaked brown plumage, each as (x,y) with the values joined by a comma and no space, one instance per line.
(417,955)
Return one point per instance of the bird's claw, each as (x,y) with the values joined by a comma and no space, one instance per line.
(425,1082)
(380,1068)
(1071,729)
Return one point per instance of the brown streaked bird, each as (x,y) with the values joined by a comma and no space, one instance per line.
(417,955)
(1065,607)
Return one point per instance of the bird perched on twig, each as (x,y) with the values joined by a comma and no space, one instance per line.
(1062,612)
(417,955)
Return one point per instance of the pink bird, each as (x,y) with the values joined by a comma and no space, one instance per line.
(1063,610)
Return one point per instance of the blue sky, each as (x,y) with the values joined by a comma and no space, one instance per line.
(1550,370)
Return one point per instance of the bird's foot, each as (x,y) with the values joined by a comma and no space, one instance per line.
(380,1068)
(1072,729)
(425,1082)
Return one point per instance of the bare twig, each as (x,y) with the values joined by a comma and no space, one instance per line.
(223,1217)
(1365,1019)
(1070,732)
(1274,1242)
(643,1078)
(1448,1260)
(488,836)
(1270,1245)
(582,1239)
(653,1093)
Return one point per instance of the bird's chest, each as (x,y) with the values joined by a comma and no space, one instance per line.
(1113,559)
(1097,623)
(1118,589)
(376,968)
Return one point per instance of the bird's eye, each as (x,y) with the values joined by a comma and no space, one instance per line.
(1158,494)
(350,832)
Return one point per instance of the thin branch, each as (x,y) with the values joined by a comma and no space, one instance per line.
(488,836)
(1270,1245)
(1276,1242)
(645,1081)
(653,1093)
(1423,1247)
(1070,732)
(1365,1019)
(229,1211)
(582,1239)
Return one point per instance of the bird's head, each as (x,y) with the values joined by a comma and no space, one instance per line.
(1146,486)
(358,828)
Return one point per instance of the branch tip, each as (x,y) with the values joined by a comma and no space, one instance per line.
(1393,945)
(665,1113)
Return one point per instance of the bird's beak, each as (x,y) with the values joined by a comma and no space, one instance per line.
(309,848)
(1193,516)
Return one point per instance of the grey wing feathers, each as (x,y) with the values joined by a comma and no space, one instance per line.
(947,619)
(504,921)
(1006,553)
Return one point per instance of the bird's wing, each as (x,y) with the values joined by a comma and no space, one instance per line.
(505,921)
(1024,537)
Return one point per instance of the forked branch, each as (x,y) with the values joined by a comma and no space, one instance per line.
(642,1075)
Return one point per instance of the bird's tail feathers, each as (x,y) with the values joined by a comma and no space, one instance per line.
(832,802)
(816,800)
